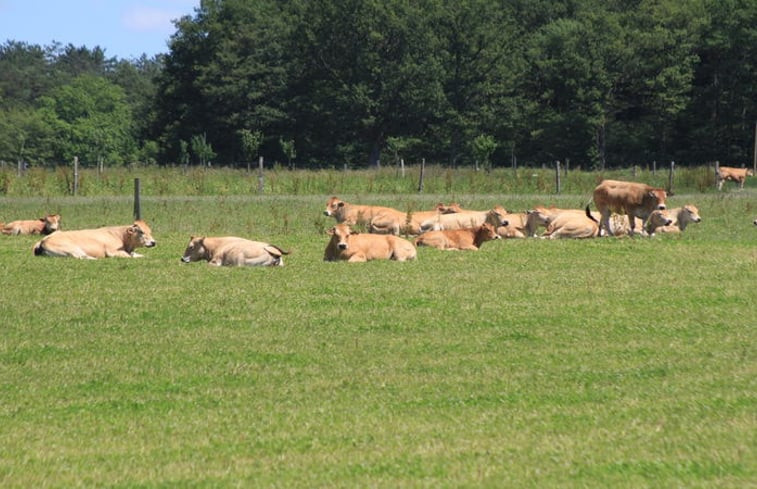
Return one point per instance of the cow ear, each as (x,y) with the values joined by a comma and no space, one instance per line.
(340,204)
(331,231)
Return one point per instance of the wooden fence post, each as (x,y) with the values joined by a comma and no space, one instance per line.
(654,167)
(717,172)
(137,203)
(670,177)
(420,179)
(261,177)
(76,175)
(557,176)
(402,166)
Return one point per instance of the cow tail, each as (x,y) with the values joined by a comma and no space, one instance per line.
(588,214)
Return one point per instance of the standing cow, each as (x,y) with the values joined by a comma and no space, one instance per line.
(629,198)
(737,175)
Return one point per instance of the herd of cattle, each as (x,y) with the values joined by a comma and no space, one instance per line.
(623,209)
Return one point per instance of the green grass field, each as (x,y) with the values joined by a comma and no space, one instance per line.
(531,363)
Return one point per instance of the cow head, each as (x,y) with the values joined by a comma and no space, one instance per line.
(52,223)
(195,250)
(333,206)
(486,232)
(139,234)
(689,213)
(497,216)
(340,234)
(654,199)
(657,219)
(451,208)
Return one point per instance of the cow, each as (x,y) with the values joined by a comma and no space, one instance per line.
(43,225)
(104,242)
(352,214)
(620,224)
(232,251)
(465,219)
(680,217)
(629,198)
(458,239)
(570,224)
(521,224)
(737,175)
(346,244)
(396,222)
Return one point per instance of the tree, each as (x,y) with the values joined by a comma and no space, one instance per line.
(90,119)
(483,148)
(250,142)
(202,149)
(287,147)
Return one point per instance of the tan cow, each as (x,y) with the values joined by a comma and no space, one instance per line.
(397,222)
(570,224)
(621,226)
(352,214)
(43,225)
(521,224)
(348,245)
(737,175)
(680,218)
(629,198)
(465,219)
(233,251)
(120,241)
(458,239)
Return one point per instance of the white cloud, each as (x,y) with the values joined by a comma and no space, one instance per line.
(144,19)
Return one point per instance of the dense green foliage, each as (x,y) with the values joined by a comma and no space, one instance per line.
(618,363)
(327,83)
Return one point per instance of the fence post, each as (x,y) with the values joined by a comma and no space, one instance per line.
(420,179)
(654,167)
(670,177)
(557,175)
(717,173)
(76,175)
(261,177)
(402,166)
(137,203)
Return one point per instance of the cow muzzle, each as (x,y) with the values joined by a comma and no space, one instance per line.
(185,259)
(327,213)
(150,244)
(661,207)
(342,246)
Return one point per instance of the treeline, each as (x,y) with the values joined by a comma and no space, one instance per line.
(329,83)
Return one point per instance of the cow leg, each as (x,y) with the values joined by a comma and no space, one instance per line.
(357,257)
(605,222)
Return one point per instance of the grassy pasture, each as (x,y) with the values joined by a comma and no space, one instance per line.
(600,363)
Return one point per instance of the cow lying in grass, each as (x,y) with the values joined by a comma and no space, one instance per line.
(346,244)
(458,239)
(43,225)
(680,218)
(232,251)
(113,241)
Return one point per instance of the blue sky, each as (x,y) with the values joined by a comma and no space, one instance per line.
(123,28)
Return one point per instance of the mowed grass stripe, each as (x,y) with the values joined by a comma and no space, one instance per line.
(598,363)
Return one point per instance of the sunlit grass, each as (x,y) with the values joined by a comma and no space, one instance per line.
(600,363)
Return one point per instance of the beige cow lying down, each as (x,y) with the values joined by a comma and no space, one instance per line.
(232,251)
(680,217)
(43,225)
(465,219)
(346,244)
(458,239)
(120,241)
